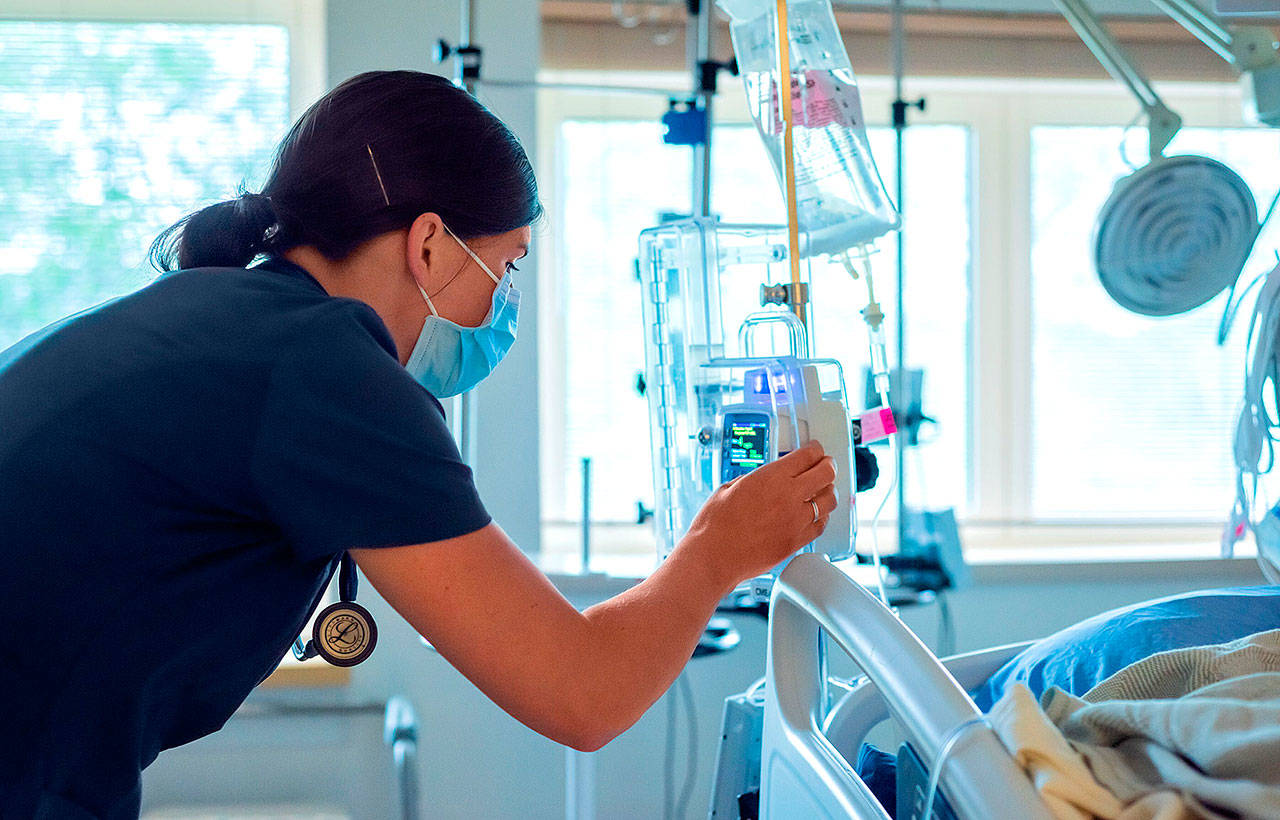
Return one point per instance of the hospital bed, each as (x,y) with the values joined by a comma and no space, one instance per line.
(811,724)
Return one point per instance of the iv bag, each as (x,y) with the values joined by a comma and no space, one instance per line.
(840,197)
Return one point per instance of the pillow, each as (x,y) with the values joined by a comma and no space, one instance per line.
(1081,656)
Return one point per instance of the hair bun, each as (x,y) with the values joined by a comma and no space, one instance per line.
(228,234)
(257,207)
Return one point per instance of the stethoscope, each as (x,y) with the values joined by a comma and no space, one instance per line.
(344,633)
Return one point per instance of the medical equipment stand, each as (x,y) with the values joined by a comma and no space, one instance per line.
(462,408)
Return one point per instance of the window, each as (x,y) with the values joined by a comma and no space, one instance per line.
(1062,419)
(616,178)
(109,132)
(610,192)
(1132,415)
(610,178)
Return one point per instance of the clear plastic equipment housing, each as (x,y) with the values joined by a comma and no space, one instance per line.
(729,379)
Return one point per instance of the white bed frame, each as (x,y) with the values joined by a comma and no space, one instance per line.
(804,773)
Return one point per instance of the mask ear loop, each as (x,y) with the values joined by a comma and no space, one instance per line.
(496,279)
(431,307)
(386,199)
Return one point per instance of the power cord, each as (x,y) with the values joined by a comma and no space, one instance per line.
(1258,426)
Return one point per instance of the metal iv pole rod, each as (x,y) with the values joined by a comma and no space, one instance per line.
(898,37)
(466,73)
(698,50)
(466,22)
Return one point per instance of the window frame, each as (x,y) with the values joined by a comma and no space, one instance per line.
(1000,115)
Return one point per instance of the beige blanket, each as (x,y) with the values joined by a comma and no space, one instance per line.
(1185,734)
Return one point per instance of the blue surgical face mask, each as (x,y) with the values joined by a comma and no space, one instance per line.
(449,359)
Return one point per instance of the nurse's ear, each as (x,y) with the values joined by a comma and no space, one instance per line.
(426,251)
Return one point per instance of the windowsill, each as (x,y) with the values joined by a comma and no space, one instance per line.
(624,554)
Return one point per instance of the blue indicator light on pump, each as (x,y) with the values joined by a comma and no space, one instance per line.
(759,382)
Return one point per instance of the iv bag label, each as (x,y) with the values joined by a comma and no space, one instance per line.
(818,100)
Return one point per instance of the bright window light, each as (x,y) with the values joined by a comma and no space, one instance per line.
(109,132)
(1132,416)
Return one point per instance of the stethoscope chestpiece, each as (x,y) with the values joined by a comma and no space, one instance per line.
(344,633)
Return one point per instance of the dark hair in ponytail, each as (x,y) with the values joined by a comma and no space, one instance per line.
(365,159)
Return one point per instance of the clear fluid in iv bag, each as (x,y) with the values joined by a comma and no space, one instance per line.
(841,200)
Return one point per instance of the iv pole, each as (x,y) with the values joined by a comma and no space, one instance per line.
(462,416)
(900,106)
(698,49)
(899,127)
(579,768)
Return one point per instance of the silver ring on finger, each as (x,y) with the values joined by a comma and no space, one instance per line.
(816,512)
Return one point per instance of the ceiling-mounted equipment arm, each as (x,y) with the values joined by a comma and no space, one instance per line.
(1201,24)
(1248,48)
(1251,50)
(1162,122)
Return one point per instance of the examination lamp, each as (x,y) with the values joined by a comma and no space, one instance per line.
(1176,232)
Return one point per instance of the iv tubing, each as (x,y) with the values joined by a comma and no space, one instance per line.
(874,319)
(875,526)
(788,157)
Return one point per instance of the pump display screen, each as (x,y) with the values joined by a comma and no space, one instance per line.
(745,443)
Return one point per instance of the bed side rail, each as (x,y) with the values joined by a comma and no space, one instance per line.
(802,774)
(861,709)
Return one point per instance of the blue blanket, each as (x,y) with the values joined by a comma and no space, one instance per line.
(1081,656)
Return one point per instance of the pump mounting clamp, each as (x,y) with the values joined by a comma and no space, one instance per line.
(782,294)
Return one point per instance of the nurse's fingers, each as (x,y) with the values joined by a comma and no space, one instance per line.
(819,476)
(801,459)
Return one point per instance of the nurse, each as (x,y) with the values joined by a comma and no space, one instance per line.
(182,469)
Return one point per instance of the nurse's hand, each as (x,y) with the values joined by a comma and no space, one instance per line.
(755,522)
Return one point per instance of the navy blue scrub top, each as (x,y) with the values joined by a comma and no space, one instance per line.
(180,470)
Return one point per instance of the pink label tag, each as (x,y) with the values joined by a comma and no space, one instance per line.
(877,424)
(818,99)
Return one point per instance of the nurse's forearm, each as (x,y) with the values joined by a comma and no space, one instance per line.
(580,678)
(639,641)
